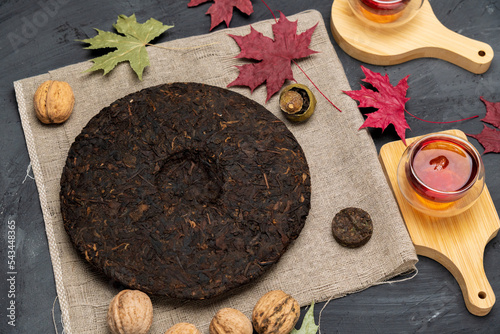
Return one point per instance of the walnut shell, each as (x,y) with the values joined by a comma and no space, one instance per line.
(230,321)
(276,312)
(183,328)
(53,101)
(130,312)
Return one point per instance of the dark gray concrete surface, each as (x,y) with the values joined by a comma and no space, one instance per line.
(38,36)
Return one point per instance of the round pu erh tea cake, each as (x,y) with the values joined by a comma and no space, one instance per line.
(184,190)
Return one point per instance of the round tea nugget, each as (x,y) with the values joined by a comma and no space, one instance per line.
(352,227)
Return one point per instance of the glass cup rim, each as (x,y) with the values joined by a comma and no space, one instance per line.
(387,2)
(416,145)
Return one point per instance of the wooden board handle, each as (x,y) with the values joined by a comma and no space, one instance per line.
(469,272)
(423,36)
(443,43)
(456,242)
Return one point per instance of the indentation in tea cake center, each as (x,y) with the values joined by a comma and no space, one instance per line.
(192,175)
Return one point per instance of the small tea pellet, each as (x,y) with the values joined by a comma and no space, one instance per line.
(352,227)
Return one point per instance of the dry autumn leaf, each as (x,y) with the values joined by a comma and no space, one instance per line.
(388,99)
(222,10)
(274,56)
(492,112)
(308,325)
(130,44)
(489,138)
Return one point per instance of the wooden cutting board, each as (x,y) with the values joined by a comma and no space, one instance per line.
(423,36)
(456,242)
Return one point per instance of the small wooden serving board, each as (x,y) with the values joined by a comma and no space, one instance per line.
(456,242)
(423,36)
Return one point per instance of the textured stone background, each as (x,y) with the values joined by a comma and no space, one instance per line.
(38,36)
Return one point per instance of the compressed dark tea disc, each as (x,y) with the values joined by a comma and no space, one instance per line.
(184,190)
(352,227)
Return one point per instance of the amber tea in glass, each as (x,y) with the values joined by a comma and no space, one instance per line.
(442,169)
(441,175)
(383,11)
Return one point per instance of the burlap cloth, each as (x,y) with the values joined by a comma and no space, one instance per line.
(345,171)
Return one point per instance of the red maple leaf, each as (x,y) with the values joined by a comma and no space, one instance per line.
(222,10)
(489,138)
(492,112)
(274,56)
(389,100)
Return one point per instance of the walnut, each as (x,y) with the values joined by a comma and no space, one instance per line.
(276,312)
(183,328)
(53,101)
(130,312)
(230,321)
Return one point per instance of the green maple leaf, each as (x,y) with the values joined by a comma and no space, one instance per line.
(308,324)
(130,45)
